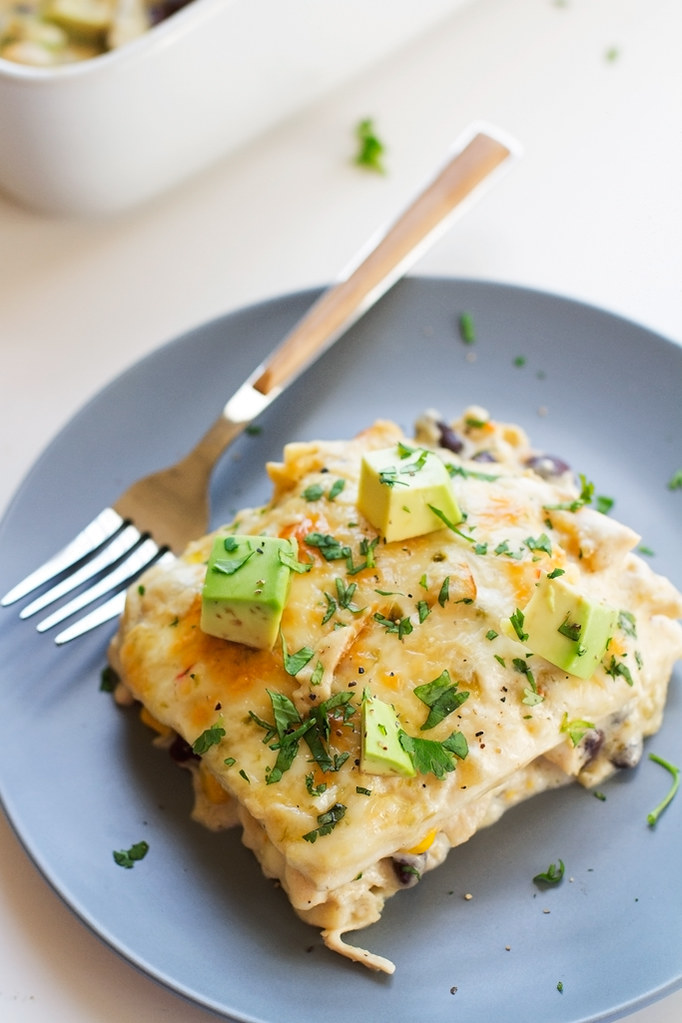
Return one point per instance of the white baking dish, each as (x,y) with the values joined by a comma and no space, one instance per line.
(108,133)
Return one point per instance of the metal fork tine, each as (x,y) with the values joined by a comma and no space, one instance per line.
(112,608)
(119,546)
(124,573)
(102,528)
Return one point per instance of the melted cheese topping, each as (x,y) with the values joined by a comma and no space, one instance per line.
(391,617)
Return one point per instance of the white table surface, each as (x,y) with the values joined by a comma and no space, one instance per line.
(592,89)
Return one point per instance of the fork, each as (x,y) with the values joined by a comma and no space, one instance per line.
(158,515)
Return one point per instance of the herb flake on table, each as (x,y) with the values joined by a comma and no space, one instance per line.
(371,149)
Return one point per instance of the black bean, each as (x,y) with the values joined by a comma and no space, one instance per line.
(181,751)
(547,466)
(408,869)
(483,456)
(627,754)
(449,439)
(592,743)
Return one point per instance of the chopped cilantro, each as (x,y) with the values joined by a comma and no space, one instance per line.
(586,496)
(336,488)
(615,668)
(446,521)
(431,757)
(575,729)
(317,674)
(628,623)
(653,817)
(291,562)
(228,566)
(293,663)
(326,822)
(108,680)
(467,329)
(517,620)
(316,491)
(442,697)
(129,857)
(331,609)
(401,627)
(209,737)
(423,610)
(531,696)
(540,543)
(370,148)
(344,595)
(366,549)
(571,630)
(460,470)
(314,790)
(552,875)
(604,504)
(330,548)
(287,730)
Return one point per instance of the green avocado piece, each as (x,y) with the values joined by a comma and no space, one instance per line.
(397,486)
(566,627)
(246,588)
(381,752)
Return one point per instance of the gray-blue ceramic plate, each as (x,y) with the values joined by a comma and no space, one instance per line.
(79,777)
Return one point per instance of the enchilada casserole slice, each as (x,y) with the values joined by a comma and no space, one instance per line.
(403,692)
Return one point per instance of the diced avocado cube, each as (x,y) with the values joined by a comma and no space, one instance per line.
(381,752)
(566,627)
(397,486)
(246,589)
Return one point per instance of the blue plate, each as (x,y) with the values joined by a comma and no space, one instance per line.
(79,777)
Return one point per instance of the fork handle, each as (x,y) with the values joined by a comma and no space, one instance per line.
(425,219)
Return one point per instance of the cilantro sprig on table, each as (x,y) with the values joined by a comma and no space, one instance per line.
(371,149)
